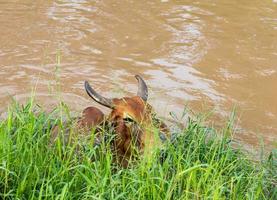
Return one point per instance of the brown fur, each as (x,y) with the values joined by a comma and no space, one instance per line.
(132,138)
(91,117)
(136,137)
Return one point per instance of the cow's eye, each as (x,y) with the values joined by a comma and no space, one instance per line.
(128,119)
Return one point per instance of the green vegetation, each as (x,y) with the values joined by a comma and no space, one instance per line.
(197,164)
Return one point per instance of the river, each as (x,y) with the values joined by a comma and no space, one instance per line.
(209,55)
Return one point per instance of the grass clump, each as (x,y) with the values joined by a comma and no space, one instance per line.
(196,164)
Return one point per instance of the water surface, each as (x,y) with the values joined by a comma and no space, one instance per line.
(207,54)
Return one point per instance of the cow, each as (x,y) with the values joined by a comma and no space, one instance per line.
(137,131)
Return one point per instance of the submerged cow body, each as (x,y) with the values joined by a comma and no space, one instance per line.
(136,129)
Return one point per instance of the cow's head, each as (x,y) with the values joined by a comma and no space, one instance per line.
(132,121)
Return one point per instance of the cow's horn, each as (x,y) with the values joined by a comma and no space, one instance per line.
(142,88)
(97,97)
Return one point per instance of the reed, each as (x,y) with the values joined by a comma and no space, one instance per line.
(198,163)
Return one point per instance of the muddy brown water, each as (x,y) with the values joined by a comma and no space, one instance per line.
(205,54)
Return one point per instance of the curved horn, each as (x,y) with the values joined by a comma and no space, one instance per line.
(97,97)
(142,88)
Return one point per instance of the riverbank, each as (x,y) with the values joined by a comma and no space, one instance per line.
(198,163)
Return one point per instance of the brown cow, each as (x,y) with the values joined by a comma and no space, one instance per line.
(136,128)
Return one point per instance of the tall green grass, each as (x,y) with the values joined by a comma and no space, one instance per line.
(198,163)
